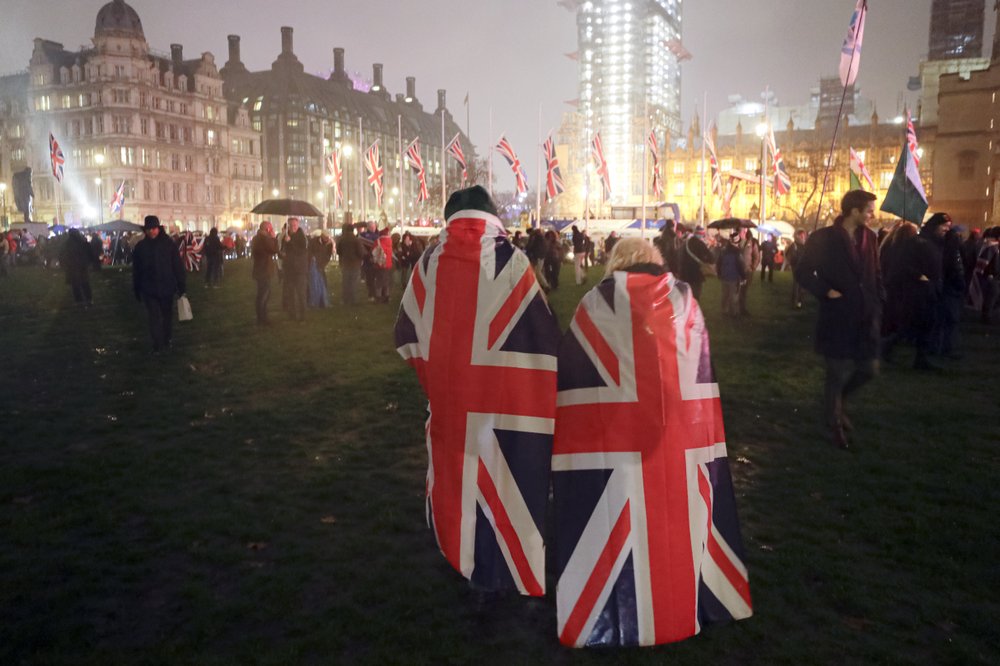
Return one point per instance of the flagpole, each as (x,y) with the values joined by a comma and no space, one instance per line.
(645,152)
(489,159)
(763,163)
(538,173)
(586,186)
(361,158)
(704,112)
(840,114)
(402,159)
(444,169)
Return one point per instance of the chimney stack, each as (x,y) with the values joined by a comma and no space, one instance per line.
(286,41)
(234,49)
(176,53)
(377,76)
(411,88)
(338,61)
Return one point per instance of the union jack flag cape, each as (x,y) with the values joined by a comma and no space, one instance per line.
(911,139)
(654,151)
(336,173)
(373,164)
(118,199)
(601,165)
(505,149)
(417,164)
(56,157)
(782,181)
(475,326)
(553,178)
(190,251)
(713,160)
(647,542)
(455,150)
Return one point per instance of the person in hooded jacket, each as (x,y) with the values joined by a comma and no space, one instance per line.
(213,252)
(76,256)
(157,277)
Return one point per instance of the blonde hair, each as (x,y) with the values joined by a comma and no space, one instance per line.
(629,252)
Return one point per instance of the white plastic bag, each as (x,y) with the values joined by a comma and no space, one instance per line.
(184,309)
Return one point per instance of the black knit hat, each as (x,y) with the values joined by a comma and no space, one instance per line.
(472,198)
(150,222)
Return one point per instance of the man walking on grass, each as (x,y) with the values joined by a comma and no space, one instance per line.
(157,276)
(839,266)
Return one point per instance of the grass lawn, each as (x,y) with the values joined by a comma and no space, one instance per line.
(256,495)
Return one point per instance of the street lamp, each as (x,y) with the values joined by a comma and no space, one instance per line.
(99,161)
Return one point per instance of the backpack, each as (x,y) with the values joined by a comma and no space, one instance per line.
(378,255)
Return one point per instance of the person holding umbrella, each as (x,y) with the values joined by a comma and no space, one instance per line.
(295,265)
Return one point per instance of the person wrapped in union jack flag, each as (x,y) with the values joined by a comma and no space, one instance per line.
(647,541)
(477,329)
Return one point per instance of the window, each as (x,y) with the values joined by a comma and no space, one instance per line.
(84,99)
(120,96)
(162,191)
(678,167)
(144,126)
(750,164)
(679,189)
(147,190)
(188,163)
(120,71)
(67,102)
(727,164)
(176,192)
(175,162)
(885,179)
(189,192)
(43,103)
(121,124)
(210,137)
(802,161)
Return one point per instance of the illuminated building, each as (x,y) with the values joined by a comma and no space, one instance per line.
(956,29)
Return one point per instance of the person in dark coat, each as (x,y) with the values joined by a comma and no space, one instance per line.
(839,266)
(295,267)
(693,258)
(97,247)
(76,256)
(213,252)
(768,251)
(553,259)
(350,253)
(579,255)
(409,254)
(157,276)
(263,247)
(792,255)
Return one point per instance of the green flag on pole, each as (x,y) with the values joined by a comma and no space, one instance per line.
(855,183)
(906,197)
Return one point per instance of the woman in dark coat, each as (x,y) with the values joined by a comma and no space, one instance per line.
(76,256)
(213,252)
(553,259)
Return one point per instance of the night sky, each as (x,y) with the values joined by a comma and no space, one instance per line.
(509,54)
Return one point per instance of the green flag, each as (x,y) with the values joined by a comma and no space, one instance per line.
(906,197)
(855,183)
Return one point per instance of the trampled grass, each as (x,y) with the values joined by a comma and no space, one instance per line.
(256,495)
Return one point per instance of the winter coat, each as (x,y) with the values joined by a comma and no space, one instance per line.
(296,254)
(262,250)
(157,269)
(350,251)
(847,327)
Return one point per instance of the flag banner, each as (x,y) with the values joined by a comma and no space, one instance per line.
(415,162)
(713,160)
(455,150)
(911,139)
(601,166)
(850,53)
(654,151)
(118,200)
(56,158)
(553,176)
(782,181)
(859,172)
(906,197)
(727,200)
(647,540)
(475,326)
(190,251)
(505,149)
(373,164)
(336,173)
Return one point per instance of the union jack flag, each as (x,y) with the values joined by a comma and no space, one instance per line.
(56,157)
(911,139)
(647,544)
(553,178)
(713,160)
(654,151)
(601,165)
(727,199)
(417,164)
(485,355)
(455,150)
(118,199)
(373,164)
(190,251)
(505,149)
(782,181)
(336,173)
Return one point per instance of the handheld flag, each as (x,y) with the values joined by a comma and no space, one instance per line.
(336,173)
(906,197)
(56,157)
(911,138)
(373,164)
(858,171)
(782,181)
(118,200)
(850,53)
(415,162)
(455,150)
(505,149)
(713,160)
(553,178)
(601,165)
(654,151)
(647,539)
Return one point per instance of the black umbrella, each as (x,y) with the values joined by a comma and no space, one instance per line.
(293,207)
(118,225)
(732,223)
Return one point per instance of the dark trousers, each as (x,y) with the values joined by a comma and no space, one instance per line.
(161,319)
(263,296)
(767,268)
(213,272)
(349,284)
(296,290)
(844,376)
(368,273)
(382,280)
(81,288)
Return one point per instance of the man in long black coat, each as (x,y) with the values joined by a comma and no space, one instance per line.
(839,266)
(295,263)
(157,276)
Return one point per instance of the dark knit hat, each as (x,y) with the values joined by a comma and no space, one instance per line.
(151,222)
(472,198)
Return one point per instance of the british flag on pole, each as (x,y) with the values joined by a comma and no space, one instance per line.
(56,157)
(553,178)
(713,160)
(601,165)
(373,164)
(455,150)
(507,150)
(475,326)
(336,174)
(647,543)
(654,152)
(416,163)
